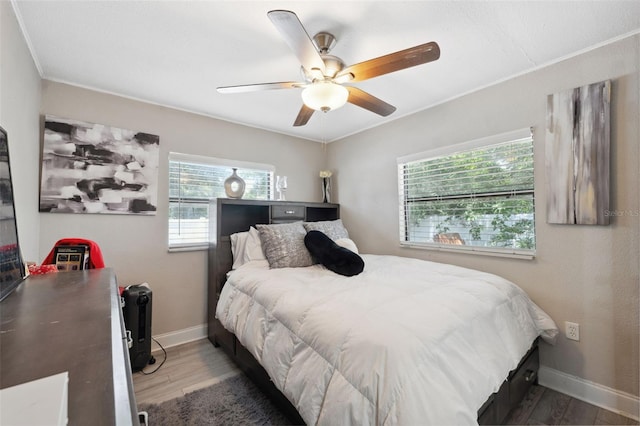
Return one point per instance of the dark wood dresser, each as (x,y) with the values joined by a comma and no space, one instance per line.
(71,321)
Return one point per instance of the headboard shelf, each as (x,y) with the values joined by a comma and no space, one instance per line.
(233,215)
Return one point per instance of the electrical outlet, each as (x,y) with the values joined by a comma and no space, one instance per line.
(572,330)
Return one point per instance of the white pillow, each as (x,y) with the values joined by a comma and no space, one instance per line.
(238,247)
(245,247)
(348,244)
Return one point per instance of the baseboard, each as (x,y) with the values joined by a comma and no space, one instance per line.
(602,396)
(179,337)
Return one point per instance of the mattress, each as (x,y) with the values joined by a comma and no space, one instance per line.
(407,341)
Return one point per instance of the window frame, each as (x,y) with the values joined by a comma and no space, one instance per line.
(201,160)
(513,136)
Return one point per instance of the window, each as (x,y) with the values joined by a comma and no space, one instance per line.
(194,181)
(473,197)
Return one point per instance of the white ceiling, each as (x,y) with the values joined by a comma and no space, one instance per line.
(175,53)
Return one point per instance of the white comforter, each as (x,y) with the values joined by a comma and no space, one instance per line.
(406,342)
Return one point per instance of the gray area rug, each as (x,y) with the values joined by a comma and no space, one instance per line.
(235,401)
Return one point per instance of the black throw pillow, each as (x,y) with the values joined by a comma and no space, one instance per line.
(335,258)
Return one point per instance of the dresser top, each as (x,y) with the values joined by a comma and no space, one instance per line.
(61,322)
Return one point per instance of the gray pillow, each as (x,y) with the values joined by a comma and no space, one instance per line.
(334,229)
(283,245)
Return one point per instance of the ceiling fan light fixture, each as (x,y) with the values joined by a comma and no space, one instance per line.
(325,96)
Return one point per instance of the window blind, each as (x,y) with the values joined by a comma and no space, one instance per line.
(194,181)
(477,196)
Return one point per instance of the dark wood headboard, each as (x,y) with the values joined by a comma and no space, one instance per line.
(229,216)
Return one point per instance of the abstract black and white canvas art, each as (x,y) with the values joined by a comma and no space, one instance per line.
(95,168)
(577,155)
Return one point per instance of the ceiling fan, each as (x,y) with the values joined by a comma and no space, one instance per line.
(325,74)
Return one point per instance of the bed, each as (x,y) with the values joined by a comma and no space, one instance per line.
(405,341)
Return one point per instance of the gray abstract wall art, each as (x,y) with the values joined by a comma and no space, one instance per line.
(577,155)
(94,168)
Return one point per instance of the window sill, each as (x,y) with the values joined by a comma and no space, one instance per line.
(187,248)
(482,251)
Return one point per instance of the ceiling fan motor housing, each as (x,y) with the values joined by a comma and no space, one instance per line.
(324,42)
(332,66)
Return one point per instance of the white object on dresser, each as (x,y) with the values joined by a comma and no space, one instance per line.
(39,402)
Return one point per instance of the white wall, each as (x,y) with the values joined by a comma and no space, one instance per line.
(584,274)
(136,246)
(19,109)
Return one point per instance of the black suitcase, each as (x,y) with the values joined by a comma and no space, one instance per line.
(137,321)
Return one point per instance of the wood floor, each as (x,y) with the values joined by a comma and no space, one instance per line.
(544,406)
(188,367)
(198,364)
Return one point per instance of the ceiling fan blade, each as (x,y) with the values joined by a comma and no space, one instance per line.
(369,102)
(392,62)
(297,38)
(262,86)
(303,116)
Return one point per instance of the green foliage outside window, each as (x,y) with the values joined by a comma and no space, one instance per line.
(484,194)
